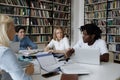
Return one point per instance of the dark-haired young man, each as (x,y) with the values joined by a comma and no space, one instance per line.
(91,39)
(25,42)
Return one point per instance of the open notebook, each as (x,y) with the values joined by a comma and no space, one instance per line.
(48,62)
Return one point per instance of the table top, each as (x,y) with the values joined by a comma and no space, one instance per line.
(105,71)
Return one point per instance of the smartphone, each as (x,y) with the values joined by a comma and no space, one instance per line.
(50,74)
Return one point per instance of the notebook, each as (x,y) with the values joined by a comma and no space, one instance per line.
(87,55)
(30,52)
(48,62)
(15,46)
(74,68)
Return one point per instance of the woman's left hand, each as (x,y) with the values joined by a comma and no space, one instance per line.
(51,51)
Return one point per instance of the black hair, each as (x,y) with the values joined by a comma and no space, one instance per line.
(92,29)
(17,28)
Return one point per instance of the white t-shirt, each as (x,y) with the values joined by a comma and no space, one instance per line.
(98,44)
(59,45)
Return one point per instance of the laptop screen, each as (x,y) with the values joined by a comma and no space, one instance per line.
(46,59)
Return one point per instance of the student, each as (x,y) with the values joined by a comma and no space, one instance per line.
(25,42)
(59,44)
(8,59)
(91,39)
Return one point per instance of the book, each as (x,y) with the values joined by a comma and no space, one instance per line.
(69,77)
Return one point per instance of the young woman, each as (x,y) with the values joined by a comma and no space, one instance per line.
(25,42)
(8,60)
(91,39)
(59,44)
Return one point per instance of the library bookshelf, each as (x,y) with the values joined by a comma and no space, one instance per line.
(106,14)
(39,17)
(113,28)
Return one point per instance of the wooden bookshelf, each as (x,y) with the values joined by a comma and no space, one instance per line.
(106,14)
(39,16)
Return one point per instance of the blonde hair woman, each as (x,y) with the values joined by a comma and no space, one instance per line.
(59,44)
(8,60)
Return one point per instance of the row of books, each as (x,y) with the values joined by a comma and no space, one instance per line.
(117,56)
(113,13)
(61,8)
(113,31)
(41,38)
(99,22)
(20,11)
(21,20)
(114,47)
(41,30)
(15,2)
(94,1)
(66,30)
(41,5)
(101,6)
(49,14)
(41,13)
(62,1)
(114,4)
(61,15)
(14,10)
(101,14)
(18,20)
(49,6)
(61,23)
(112,38)
(39,21)
(103,29)
(114,21)
(6,9)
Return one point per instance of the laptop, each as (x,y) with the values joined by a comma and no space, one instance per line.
(48,62)
(86,55)
(15,46)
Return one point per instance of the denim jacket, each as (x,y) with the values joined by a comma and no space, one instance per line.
(25,42)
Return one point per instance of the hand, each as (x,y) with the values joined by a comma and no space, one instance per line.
(29,69)
(50,51)
(69,52)
(29,48)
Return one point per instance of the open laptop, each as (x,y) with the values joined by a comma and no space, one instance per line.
(86,55)
(48,62)
(15,46)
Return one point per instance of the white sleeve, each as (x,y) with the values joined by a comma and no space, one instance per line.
(77,45)
(66,41)
(103,47)
(51,44)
